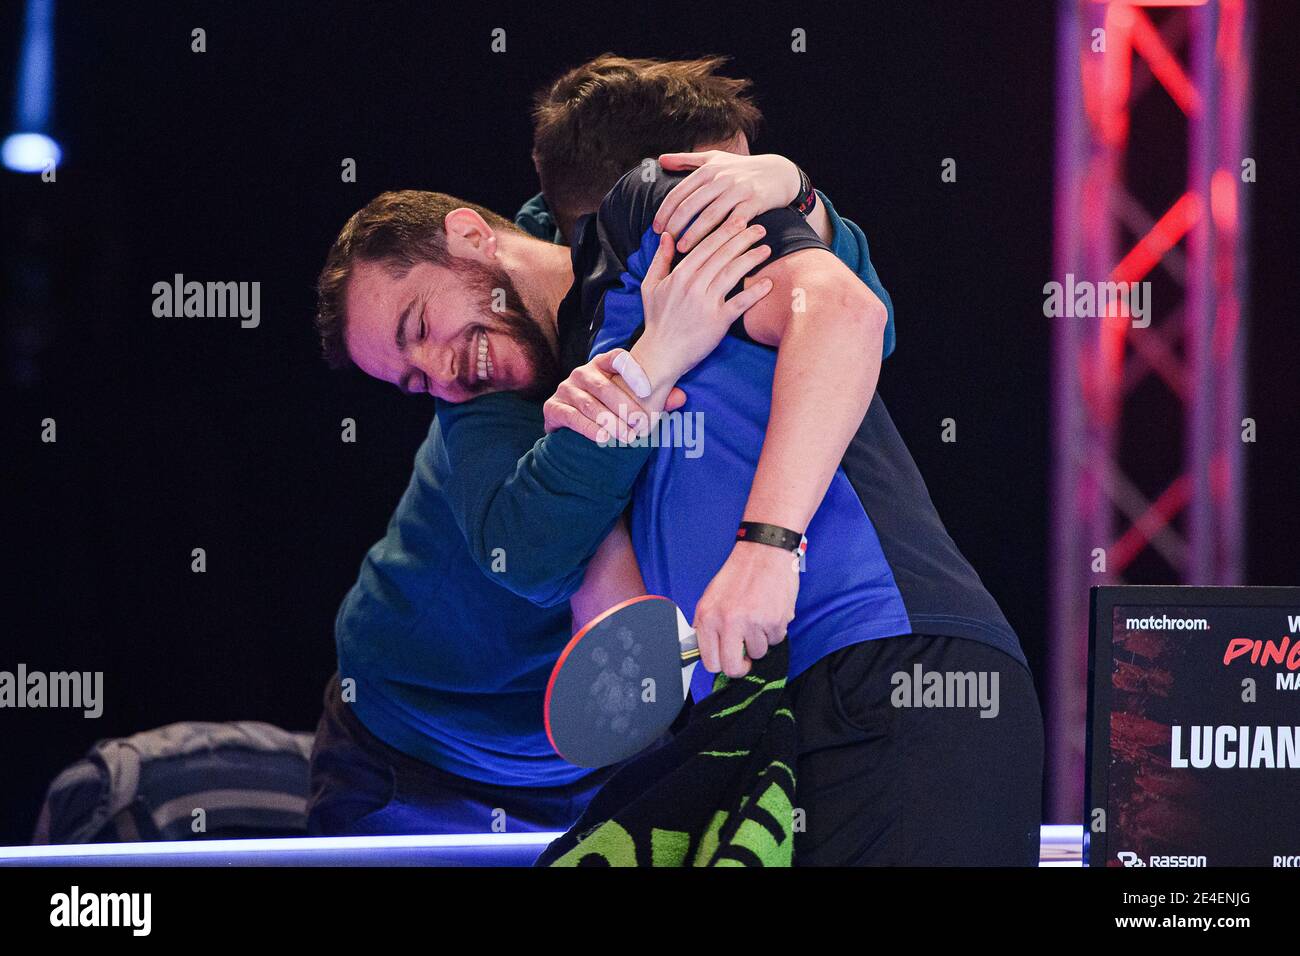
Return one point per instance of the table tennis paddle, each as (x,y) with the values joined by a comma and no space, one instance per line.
(601,706)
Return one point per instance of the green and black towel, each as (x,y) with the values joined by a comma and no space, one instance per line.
(720,793)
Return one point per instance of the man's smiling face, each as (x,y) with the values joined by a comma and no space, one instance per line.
(434,330)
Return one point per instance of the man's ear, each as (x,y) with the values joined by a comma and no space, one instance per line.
(469,236)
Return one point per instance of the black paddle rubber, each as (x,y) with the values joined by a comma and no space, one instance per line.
(617,687)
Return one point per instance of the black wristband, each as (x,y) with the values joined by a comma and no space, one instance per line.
(807,198)
(775,535)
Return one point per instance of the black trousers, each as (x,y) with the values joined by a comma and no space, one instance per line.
(881,784)
(877,784)
(360,786)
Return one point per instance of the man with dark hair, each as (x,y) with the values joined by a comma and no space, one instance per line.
(434,722)
(805,448)
(404,230)
(601,119)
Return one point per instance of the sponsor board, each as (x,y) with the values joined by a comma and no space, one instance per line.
(1193,727)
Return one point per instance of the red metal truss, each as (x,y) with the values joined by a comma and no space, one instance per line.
(1170,510)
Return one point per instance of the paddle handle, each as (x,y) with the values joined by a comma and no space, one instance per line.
(690,647)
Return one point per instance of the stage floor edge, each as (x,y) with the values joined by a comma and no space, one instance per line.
(1060,846)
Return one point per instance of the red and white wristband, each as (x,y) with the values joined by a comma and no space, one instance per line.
(774,535)
(805,202)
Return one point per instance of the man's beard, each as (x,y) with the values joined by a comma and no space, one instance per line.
(515,322)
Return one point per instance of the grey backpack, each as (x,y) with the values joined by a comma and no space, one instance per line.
(186,781)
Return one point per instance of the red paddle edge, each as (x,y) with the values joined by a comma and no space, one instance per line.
(550,684)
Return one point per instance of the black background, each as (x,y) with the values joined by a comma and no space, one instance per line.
(182,433)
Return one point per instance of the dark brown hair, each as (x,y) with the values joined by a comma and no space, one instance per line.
(396,229)
(603,118)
